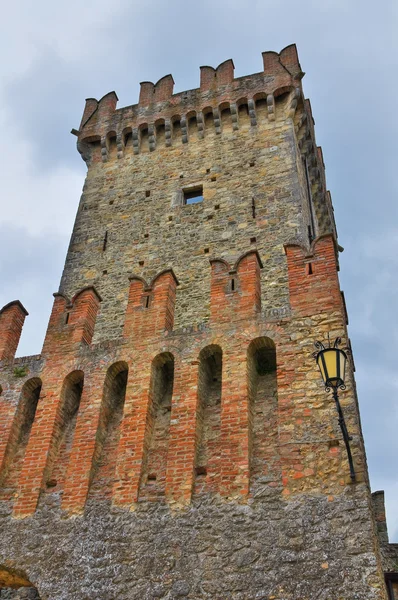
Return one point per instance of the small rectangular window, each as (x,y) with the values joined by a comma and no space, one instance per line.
(193,196)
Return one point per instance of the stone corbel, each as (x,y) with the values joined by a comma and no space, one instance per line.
(234,116)
(136,140)
(200,124)
(217,120)
(294,103)
(120,145)
(271,107)
(252,112)
(85,151)
(104,148)
(184,129)
(152,137)
(167,132)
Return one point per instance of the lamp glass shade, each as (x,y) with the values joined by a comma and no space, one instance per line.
(332,364)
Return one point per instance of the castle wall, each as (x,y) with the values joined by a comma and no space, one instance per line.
(173,439)
(135,202)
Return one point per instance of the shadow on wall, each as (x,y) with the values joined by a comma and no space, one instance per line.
(263,397)
(157,435)
(21,589)
(24,593)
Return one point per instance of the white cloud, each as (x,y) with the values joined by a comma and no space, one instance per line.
(40,202)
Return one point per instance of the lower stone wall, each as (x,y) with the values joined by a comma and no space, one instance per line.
(298,549)
(23,593)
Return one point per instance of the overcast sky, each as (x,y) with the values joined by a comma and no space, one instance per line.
(53,55)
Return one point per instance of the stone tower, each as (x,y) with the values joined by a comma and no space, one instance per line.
(173,439)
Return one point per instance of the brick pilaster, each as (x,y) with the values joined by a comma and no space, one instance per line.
(183,433)
(7,413)
(235,425)
(38,451)
(136,423)
(313,279)
(150,309)
(71,323)
(12,318)
(235,291)
(80,465)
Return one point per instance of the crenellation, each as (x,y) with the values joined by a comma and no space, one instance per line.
(12,318)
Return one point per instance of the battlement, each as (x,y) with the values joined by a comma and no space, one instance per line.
(220,106)
(160,114)
(156,379)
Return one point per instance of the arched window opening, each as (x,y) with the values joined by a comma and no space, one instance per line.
(262,390)
(226,120)
(192,127)
(19,437)
(112,148)
(128,143)
(209,122)
(144,141)
(209,418)
(281,105)
(261,110)
(62,441)
(160,135)
(158,431)
(243,115)
(105,454)
(177,135)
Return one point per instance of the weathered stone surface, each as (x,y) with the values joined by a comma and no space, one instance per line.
(277,548)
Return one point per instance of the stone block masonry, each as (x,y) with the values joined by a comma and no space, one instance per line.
(173,439)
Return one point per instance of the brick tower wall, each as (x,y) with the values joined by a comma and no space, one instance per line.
(174,425)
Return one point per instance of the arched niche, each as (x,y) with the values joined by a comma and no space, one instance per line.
(243,113)
(208,417)
(19,436)
(61,445)
(158,427)
(263,401)
(111,413)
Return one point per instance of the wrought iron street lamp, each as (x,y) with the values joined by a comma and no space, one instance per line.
(332,365)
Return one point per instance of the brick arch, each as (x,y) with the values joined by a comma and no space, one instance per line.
(245,255)
(280,91)
(159,275)
(88,288)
